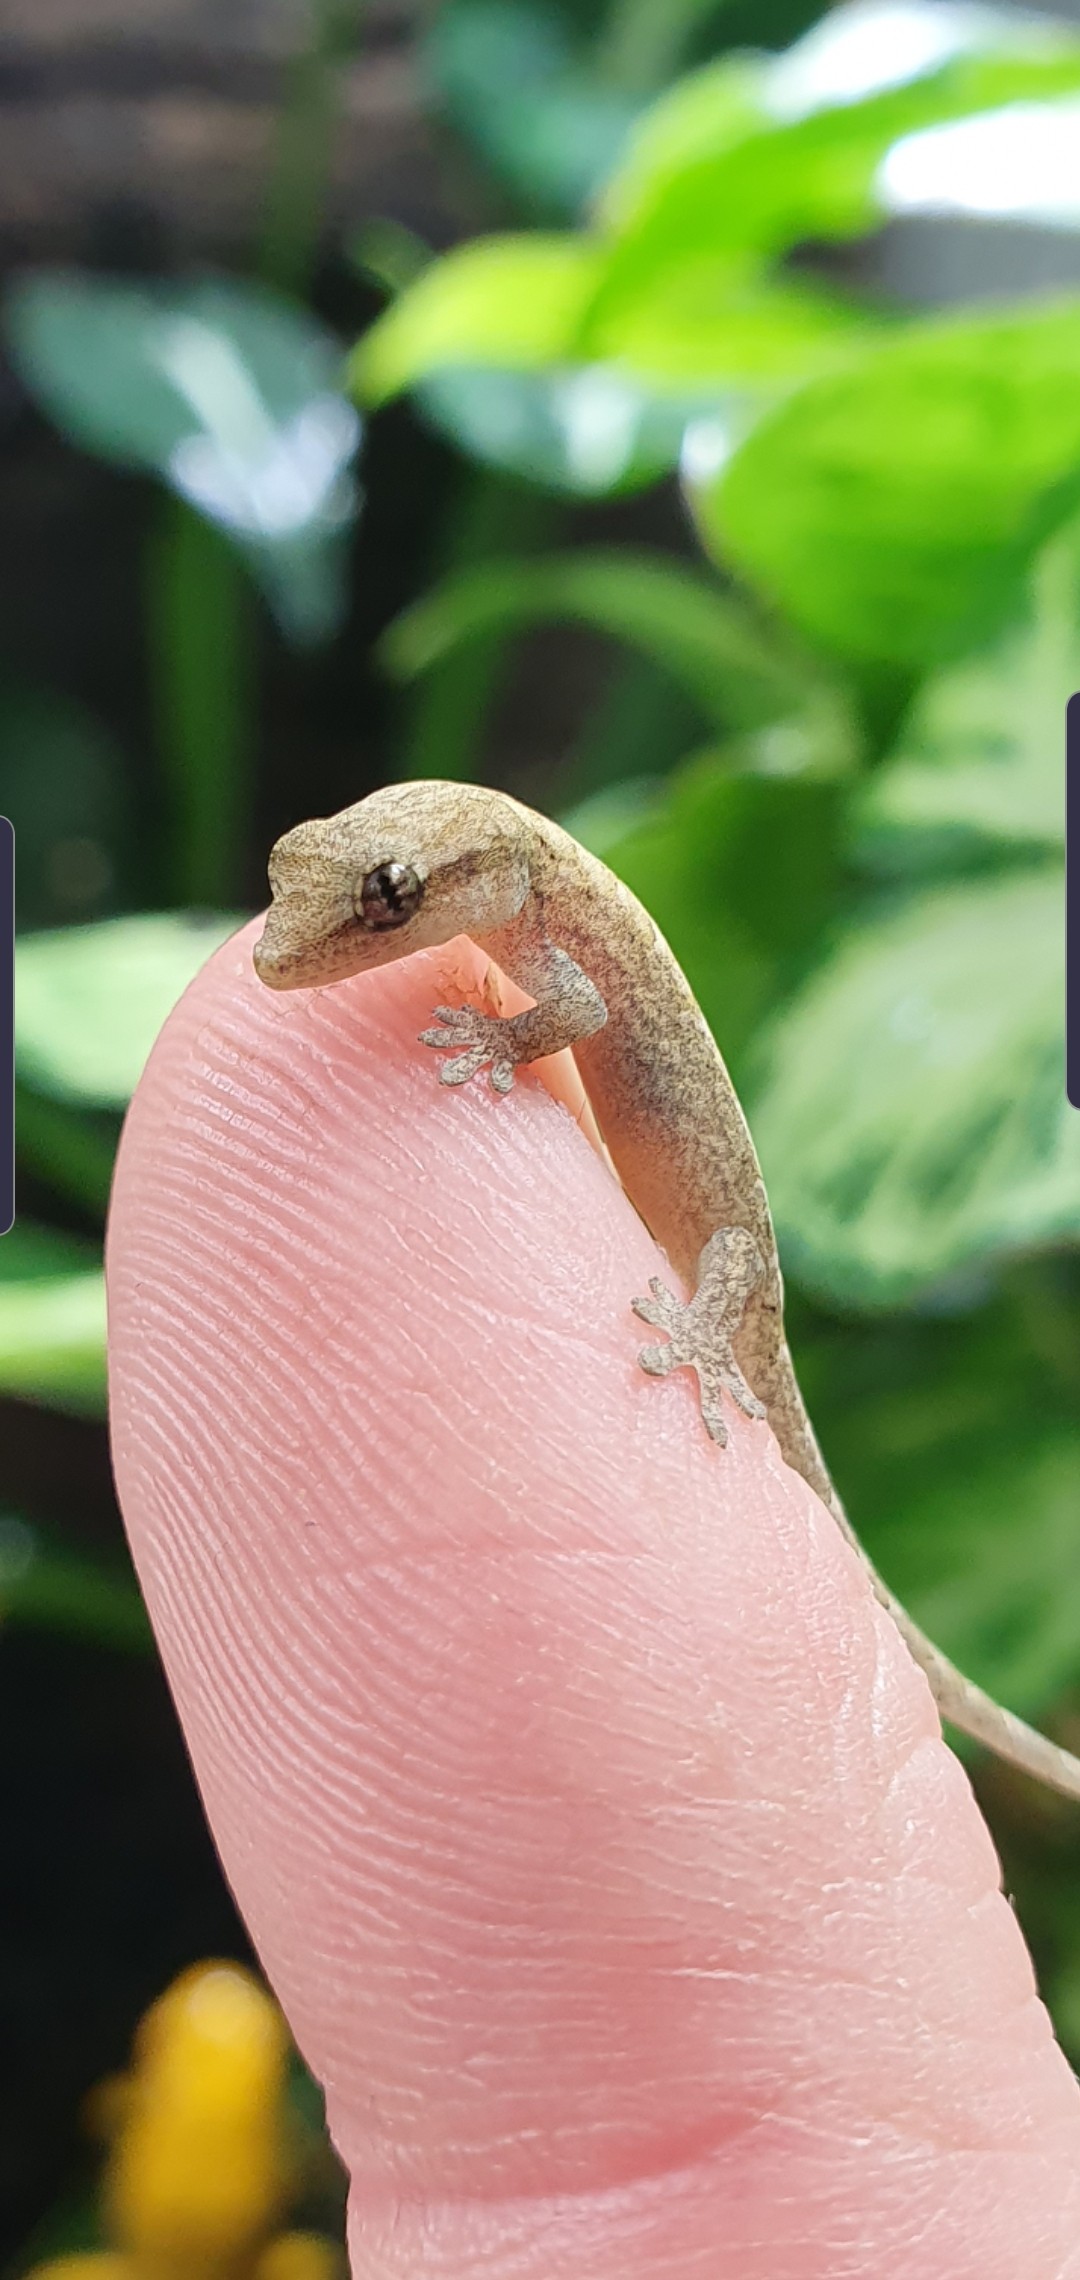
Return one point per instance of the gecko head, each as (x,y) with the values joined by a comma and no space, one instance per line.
(410,866)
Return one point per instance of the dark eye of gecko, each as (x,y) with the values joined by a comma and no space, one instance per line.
(389,896)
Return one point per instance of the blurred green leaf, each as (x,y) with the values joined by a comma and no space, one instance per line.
(709,643)
(913,1121)
(52,1341)
(978,773)
(893,507)
(700,120)
(739,871)
(736,163)
(510,302)
(70,1150)
(387,253)
(588,432)
(711,325)
(43,1583)
(603,817)
(227,392)
(90,1000)
(30,1252)
(759,154)
(955,1441)
(693,366)
(52,1323)
(521,356)
(997,1595)
(512,82)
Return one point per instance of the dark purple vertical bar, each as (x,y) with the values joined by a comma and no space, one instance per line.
(1072,904)
(7,1025)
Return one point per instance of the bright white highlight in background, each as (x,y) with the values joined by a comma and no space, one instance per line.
(262,477)
(871,45)
(1021,163)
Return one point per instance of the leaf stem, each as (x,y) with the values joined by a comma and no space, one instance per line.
(643,41)
(446,718)
(640,728)
(201,638)
(304,153)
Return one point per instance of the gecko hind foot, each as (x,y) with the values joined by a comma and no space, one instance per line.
(700,1330)
(484,1038)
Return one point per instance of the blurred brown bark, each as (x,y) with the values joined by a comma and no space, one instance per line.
(145,127)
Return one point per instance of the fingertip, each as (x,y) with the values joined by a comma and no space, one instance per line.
(588,1815)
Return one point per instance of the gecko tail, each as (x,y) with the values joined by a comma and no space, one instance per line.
(981,1718)
(964,1704)
(958,1699)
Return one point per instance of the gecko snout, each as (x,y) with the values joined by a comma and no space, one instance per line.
(275,962)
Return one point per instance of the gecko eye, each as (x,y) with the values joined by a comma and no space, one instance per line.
(389,896)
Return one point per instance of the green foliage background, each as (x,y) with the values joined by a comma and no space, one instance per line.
(828,755)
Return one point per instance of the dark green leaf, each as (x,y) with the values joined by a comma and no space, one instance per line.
(33,1253)
(913,1120)
(513,84)
(229,394)
(893,507)
(45,1584)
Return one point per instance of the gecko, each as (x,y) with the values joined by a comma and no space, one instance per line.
(418,864)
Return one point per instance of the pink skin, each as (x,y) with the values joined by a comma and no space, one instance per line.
(590,1818)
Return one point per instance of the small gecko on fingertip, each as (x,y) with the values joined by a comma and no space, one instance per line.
(415,865)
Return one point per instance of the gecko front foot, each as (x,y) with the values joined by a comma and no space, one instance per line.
(485,1039)
(702,1329)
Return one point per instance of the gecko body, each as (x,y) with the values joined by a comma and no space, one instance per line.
(417,864)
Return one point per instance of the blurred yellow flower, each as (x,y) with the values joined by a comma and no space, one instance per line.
(299,2256)
(199,2167)
(87,2264)
(197,2170)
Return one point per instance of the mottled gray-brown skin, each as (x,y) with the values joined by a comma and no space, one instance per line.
(417,864)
